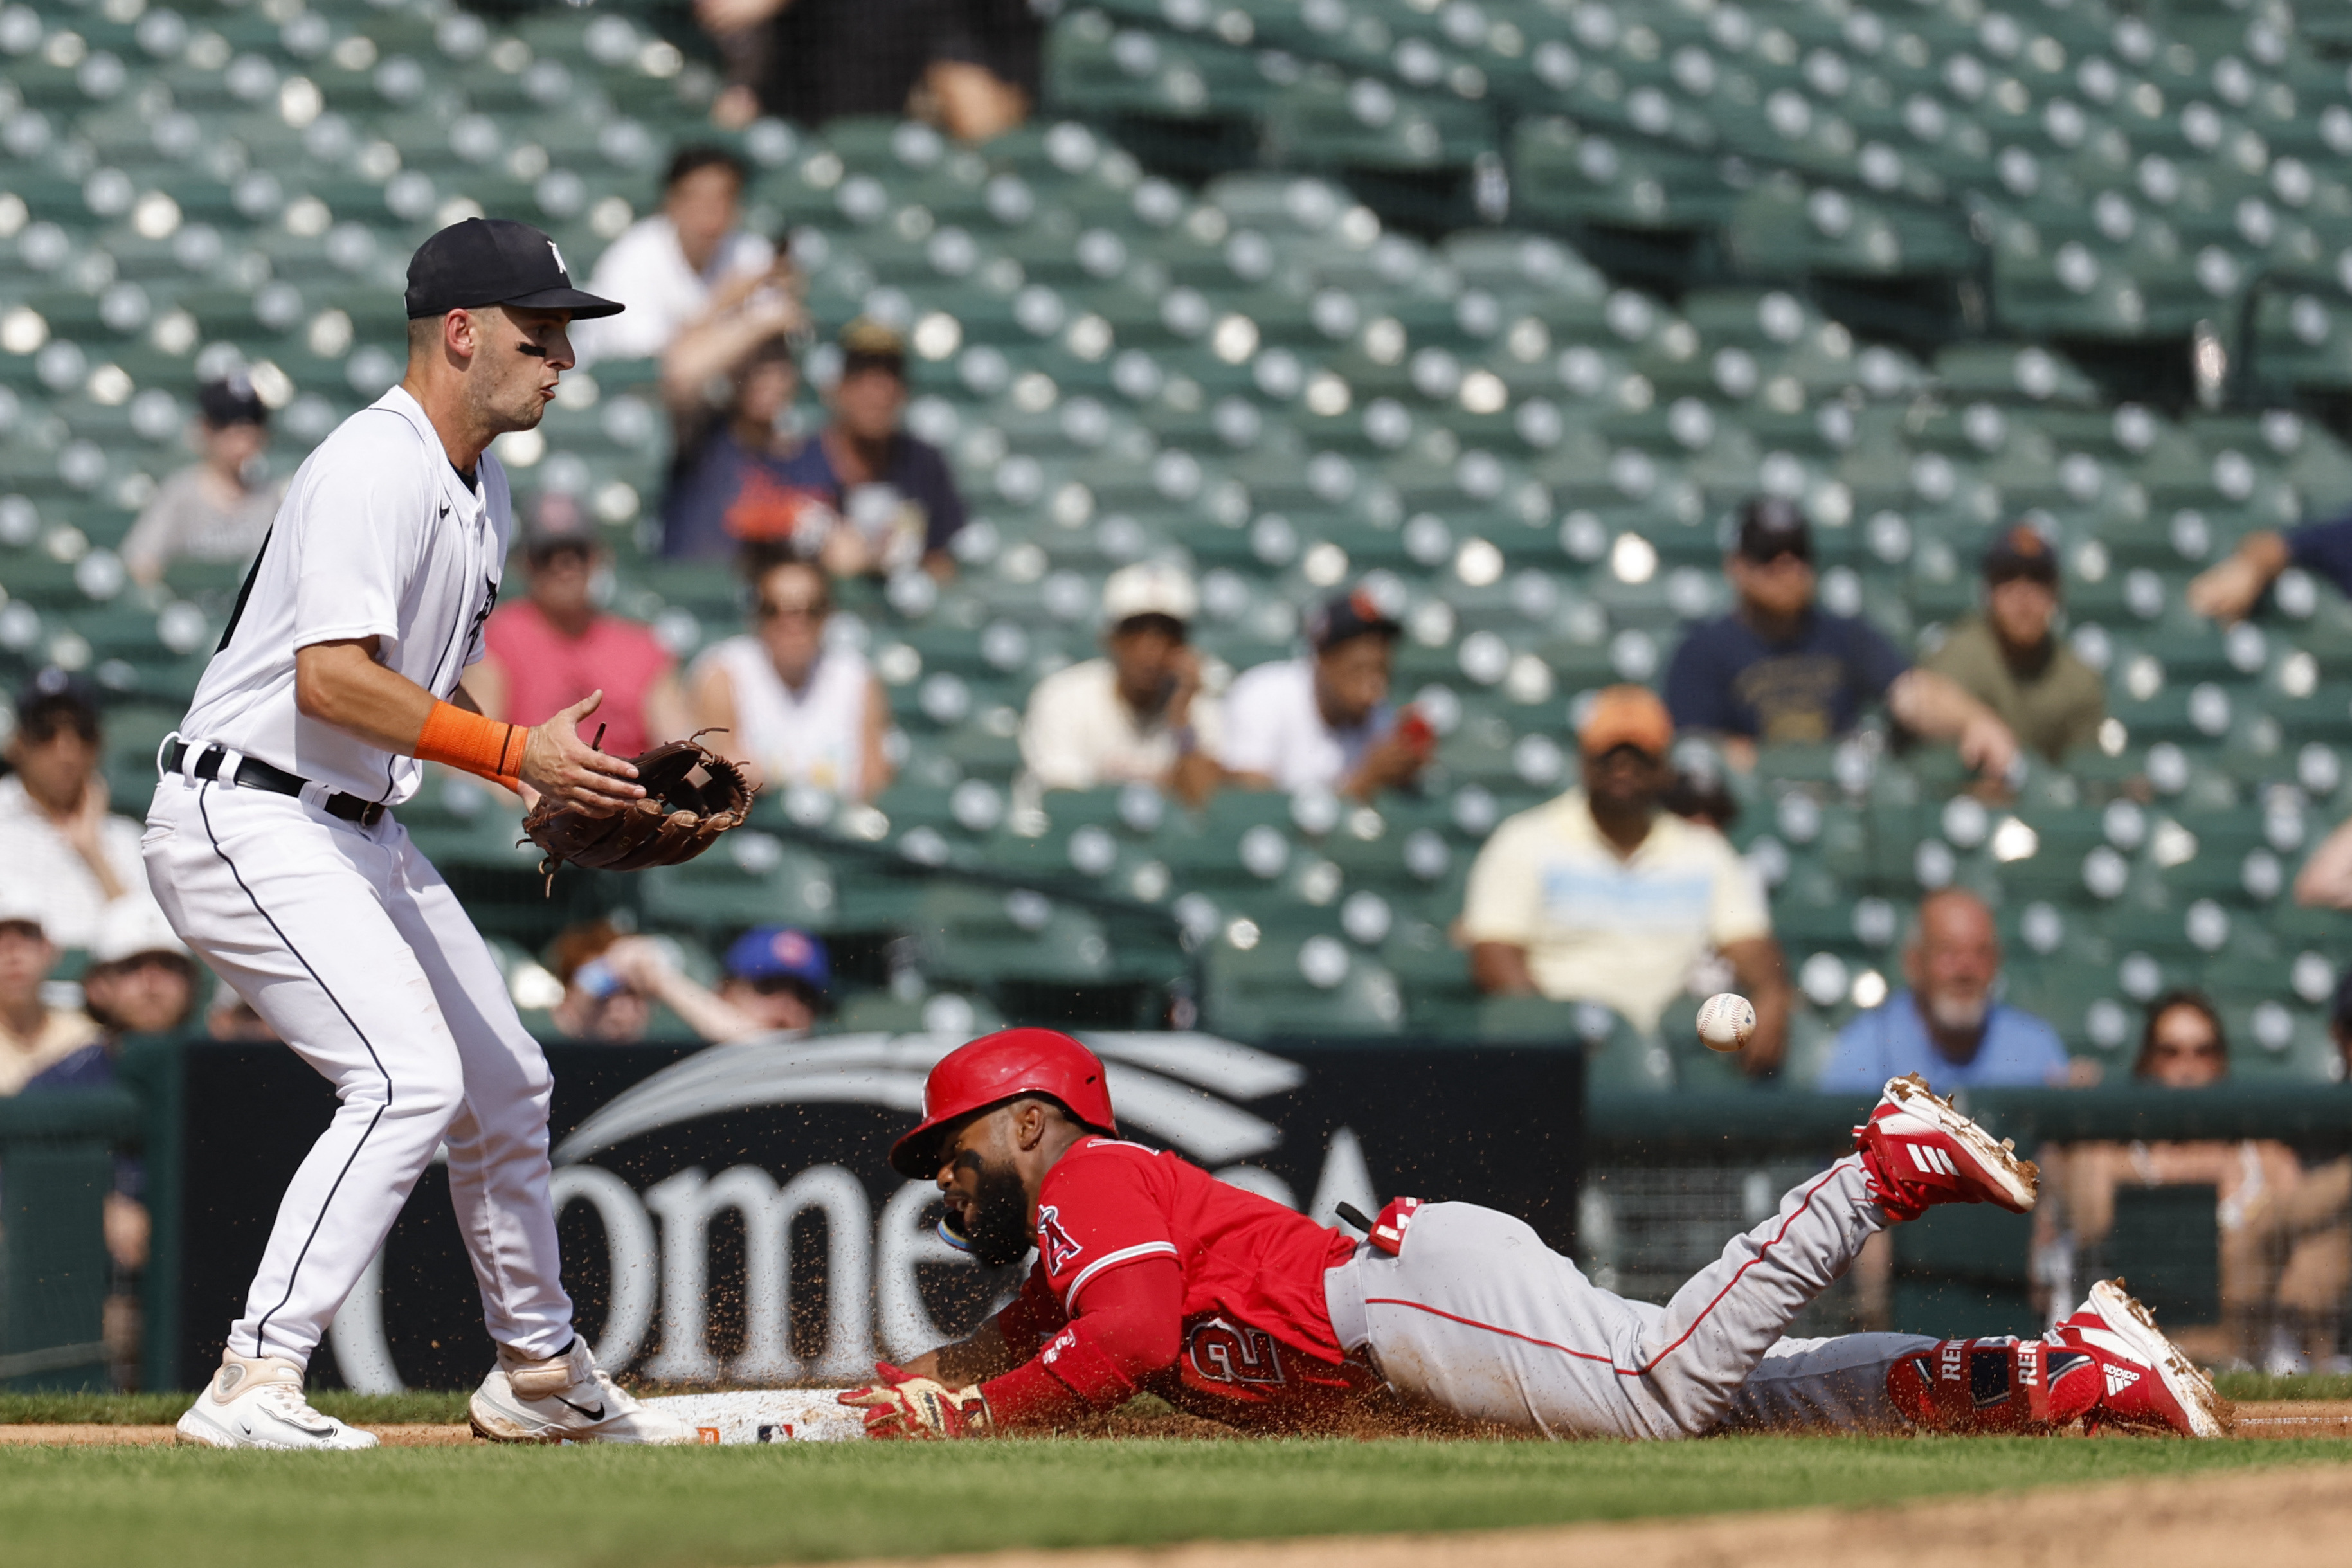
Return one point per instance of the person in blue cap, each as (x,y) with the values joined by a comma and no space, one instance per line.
(779,981)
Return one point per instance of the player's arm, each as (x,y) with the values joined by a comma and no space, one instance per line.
(874,768)
(1501,969)
(339,683)
(981,1354)
(1129,1329)
(484,689)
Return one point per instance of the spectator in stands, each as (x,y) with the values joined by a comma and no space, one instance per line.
(219,508)
(2286,1250)
(1780,669)
(1602,895)
(893,502)
(797,711)
(2228,590)
(1324,722)
(597,1005)
(547,649)
(62,853)
(1948,1026)
(682,266)
(971,65)
(2325,879)
(1704,796)
(2339,1026)
(779,981)
(2010,660)
(142,979)
(230,1017)
(35,1034)
(1138,715)
(733,484)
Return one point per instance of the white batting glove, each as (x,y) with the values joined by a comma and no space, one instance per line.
(919,1407)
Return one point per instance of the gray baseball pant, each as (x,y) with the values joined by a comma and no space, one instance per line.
(1477,1316)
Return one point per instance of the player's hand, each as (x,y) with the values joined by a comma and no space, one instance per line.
(904,1405)
(566,769)
(1987,745)
(734,16)
(85,830)
(1391,761)
(2227,592)
(642,963)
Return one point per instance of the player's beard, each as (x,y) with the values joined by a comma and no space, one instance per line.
(1958,1014)
(1000,1218)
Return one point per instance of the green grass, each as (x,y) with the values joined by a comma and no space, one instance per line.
(702,1508)
(450,1405)
(162,1409)
(2251,1386)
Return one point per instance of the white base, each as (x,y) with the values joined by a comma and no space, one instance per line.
(765,1416)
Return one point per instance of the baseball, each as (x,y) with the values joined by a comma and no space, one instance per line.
(1725,1019)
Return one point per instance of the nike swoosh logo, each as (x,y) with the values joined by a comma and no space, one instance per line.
(595,1415)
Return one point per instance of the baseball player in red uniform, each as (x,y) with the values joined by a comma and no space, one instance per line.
(1152,1275)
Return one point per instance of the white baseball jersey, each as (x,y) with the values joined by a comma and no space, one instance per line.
(379,537)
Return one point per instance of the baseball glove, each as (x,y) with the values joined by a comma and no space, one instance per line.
(676,820)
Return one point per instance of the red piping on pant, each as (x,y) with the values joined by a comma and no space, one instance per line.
(1588,1355)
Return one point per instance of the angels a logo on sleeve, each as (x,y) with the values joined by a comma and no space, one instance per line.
(1055,1242)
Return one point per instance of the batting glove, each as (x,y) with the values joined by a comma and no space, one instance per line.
(920,1407)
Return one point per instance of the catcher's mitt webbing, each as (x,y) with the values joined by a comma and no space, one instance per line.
(679,817)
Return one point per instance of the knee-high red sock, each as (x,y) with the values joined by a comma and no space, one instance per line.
(2003,1384)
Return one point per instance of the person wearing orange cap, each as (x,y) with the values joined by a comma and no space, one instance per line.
(1601,896)
(2011,661)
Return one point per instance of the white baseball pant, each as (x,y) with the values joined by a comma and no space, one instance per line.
(352,947)
(1477,1316)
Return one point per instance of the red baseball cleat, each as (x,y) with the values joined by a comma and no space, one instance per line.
(2150,1384)
(1919,1151)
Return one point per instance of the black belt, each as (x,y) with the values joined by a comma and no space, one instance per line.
(254,774)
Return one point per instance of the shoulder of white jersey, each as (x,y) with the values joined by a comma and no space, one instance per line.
(378,436)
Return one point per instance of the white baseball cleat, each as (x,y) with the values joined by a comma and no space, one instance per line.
(567,1398)
(256,1403)
(2150,1382)
(1917,1152)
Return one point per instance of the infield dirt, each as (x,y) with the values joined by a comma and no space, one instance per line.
(2281,1519)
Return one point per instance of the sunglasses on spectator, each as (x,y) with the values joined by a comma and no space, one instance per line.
(798,610)
(2171,1049)
(42,728)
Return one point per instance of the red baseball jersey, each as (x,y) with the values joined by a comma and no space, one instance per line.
(1258,1347)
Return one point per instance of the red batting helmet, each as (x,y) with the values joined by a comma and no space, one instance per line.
(998,1067)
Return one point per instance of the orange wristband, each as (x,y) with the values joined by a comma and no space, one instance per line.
(480,746)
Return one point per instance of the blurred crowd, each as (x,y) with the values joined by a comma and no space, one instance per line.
(1623,892)
(969,66)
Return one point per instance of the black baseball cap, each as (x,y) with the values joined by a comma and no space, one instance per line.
(2021,552)
(1772,527)
(495,261)
(231,400)
(57,699)
(1350,615)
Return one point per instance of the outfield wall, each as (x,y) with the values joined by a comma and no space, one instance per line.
(712,1197)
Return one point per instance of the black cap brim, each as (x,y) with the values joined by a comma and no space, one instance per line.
(583,305)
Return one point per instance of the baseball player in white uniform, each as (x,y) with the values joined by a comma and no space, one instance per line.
(273,850)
